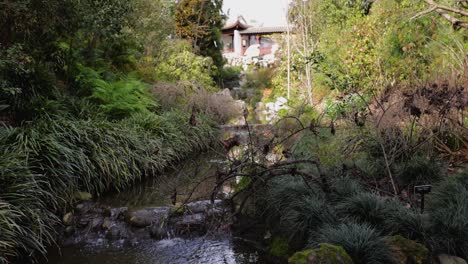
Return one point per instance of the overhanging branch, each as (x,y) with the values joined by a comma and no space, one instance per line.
(442,11)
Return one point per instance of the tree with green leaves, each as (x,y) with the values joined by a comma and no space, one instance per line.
(200,22)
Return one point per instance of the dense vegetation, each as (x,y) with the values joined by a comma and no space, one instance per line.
(95,95)
(378,99)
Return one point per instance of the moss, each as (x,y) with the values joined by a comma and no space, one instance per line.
(83,196)
(324,254)
(300,257)
(407,251)
(279,247)
(244,182)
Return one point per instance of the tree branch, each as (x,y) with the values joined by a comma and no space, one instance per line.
(441,10)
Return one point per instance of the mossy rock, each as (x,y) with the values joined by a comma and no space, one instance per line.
(407,251)
(279,247)
(324,254)
(177,209)
(83,196)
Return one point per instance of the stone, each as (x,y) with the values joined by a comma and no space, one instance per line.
(201,206)
(116,213)
(190,223)
(407,251)
(107,224)
(69,230)
(158,232)
(447,259)
(68,219)
(324,254)
(97,223)
(83,196)
(148,216)
(113,233)
(83,222)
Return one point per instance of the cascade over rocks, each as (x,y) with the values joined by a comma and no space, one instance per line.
(96,224)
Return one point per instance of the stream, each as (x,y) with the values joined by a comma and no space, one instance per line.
(191,180)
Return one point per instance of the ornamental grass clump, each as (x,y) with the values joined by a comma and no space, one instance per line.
(448,216)
(363,243)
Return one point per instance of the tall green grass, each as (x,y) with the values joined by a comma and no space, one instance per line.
(42,166)
(448,216)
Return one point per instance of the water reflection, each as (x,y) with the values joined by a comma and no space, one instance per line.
(170,251)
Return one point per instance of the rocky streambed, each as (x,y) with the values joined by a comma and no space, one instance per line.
(166,219)
(94,224)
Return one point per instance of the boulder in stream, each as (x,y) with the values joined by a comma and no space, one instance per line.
(202,206)
(145,217)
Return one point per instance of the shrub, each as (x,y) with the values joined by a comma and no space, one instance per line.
(280,194)
(419,170)
(363,243)
(279,247)
(304,216)
(344,188)
(366,208)
(221,107)
(259,79)
(448,216)
(229,76)
(122,98)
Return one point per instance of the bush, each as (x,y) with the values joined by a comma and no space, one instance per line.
(305,216)
(230,76)
(366,208)
(419,170)
(260,79)
(122,98)
(282,193)
(363,243)
(344,188)
(448,216)
(387,215)
(220,107)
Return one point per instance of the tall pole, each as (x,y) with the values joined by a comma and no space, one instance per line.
(289,58)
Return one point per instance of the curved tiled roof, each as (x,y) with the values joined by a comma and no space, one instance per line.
(235,25)
(264,30)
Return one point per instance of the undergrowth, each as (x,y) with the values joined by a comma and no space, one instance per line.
(43,164)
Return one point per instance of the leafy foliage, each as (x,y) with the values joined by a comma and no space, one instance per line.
(122,98)
(200,22)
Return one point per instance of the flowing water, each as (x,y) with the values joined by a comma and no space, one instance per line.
(191,180)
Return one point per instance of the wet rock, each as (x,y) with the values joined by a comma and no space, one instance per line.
(202,206)
(69,231)
(83,222)
(117,231)
(447,259)
(68,219)
(107,224)
(83,208)
(97,223)
(407,251)
(113,233)
(148,216)
(118,213)
(190,223)
(158,232)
